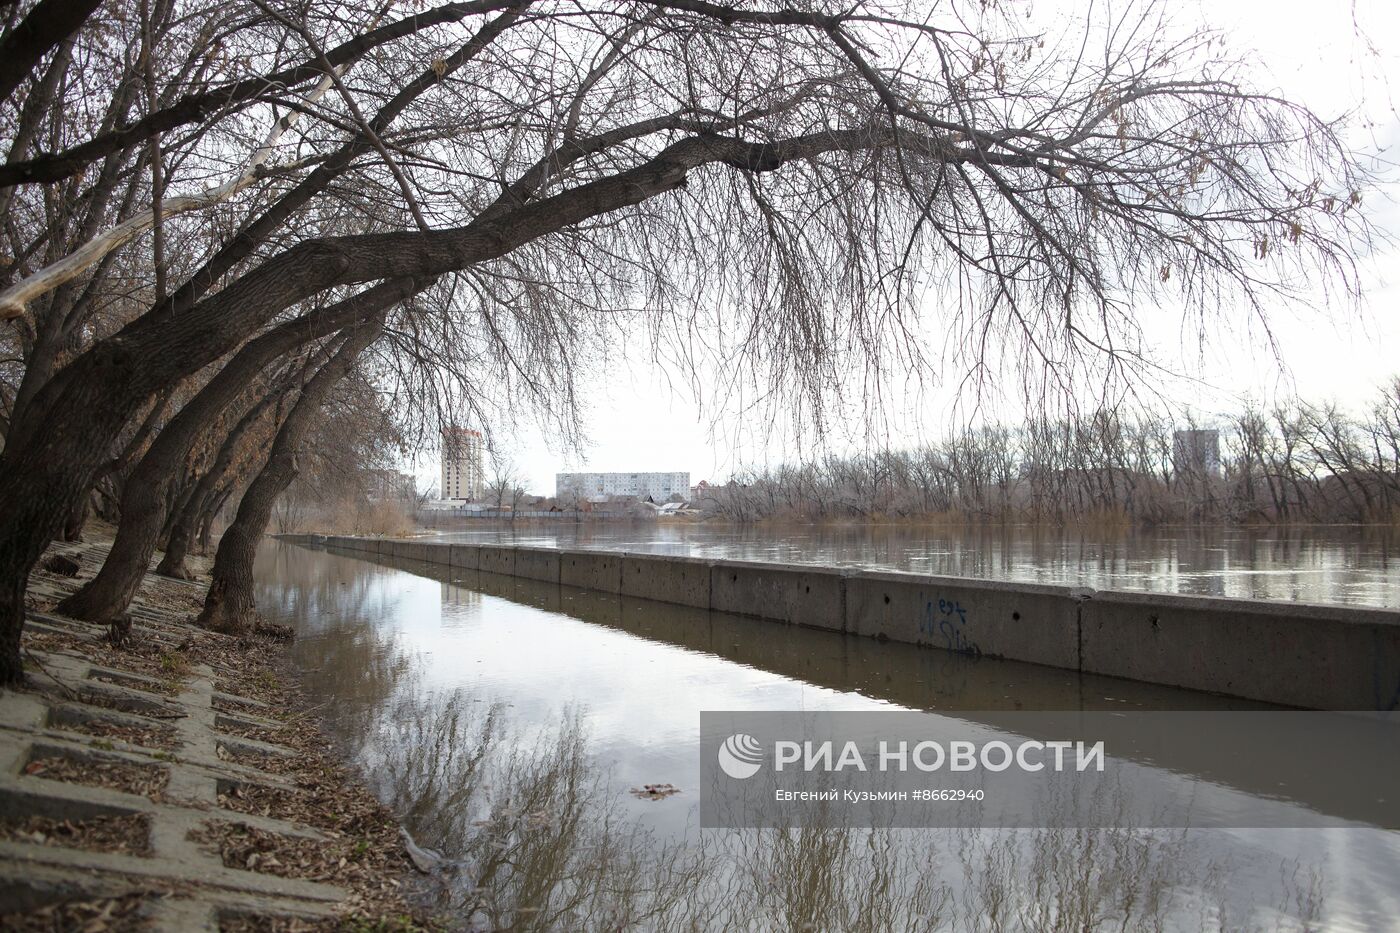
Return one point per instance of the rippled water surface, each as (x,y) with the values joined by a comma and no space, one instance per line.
(506,722)
(1321,564)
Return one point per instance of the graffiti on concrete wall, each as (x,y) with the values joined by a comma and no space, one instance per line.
(945,622)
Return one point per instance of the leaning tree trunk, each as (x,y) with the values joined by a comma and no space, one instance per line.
(46,468)
(172,562)
(176,506)
(82,508)
(205,538)
(145,502)
(186,521)
(77,518)
(230,606)
(148,493)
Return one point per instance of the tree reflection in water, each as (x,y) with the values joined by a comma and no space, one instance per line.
(538,841)
(534,838)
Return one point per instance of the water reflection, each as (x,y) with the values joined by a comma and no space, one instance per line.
(505,721)
(1328,563)
(532,838)
(536,842)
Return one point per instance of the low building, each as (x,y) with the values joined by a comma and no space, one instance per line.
(599,487)
(453,505)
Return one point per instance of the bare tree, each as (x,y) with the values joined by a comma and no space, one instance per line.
(1315,462)
(230,607)
(786,181)
(504,489)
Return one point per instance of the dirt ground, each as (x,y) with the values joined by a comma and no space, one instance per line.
(361,850)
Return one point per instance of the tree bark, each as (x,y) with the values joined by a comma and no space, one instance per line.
(230,606)
(183,529)
(47,24)
(211,512)
(77,518)
(11,664)
(177,505)
(78,515)
(172,562)
(149,493)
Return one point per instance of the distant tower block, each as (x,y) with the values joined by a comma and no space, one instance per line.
(462,475)
(1196,453)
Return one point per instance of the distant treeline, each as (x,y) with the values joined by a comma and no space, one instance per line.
(1296,462)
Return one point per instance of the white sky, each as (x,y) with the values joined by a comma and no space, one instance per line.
(1309,50)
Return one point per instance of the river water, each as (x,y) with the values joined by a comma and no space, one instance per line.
(506,722)
(1317,563)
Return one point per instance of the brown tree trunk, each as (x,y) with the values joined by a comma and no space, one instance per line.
(176,505)
(77,518)
(78,515)
(148,496)
(230,606)
(172,562)
(211,512)
(185,525)
(145,502)
(43,473)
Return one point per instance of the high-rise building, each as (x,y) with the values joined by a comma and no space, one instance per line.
(657,486)
(462,474)
(1196,453)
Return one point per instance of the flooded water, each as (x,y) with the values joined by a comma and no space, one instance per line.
(1317,564)
(506,722)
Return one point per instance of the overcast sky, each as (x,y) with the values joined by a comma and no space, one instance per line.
(636,420)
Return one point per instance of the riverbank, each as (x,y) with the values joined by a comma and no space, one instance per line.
(177,781)
(1313,564)
(1287,653)
(512,721)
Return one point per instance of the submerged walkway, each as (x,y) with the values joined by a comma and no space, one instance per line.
(142,786)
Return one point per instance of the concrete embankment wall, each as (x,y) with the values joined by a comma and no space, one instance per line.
(1320,657)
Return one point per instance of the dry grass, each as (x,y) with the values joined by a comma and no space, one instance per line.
(385,519)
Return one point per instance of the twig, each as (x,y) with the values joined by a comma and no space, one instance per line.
(72,694)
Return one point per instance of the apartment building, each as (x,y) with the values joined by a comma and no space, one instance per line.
(656,486)
(463,476)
